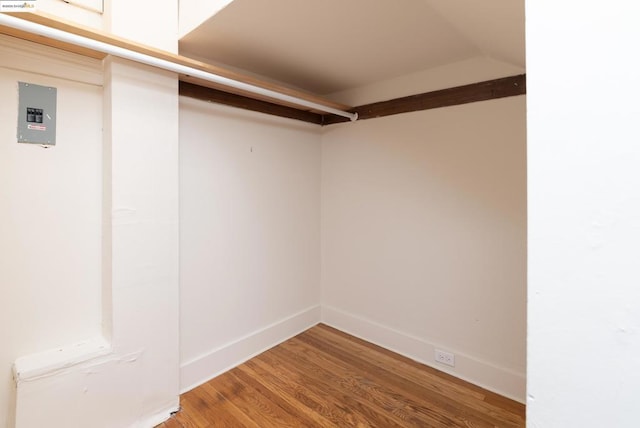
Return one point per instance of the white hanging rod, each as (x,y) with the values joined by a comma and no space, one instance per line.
(85,42)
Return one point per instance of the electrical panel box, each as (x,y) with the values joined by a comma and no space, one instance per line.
(37,114)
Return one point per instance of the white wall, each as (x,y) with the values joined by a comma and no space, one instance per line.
(131,380)
(151,23)
(50,211)
(128,373)
(249,234)
(423,236)
(584,211)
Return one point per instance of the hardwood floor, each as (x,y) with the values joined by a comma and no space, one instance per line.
(326,378)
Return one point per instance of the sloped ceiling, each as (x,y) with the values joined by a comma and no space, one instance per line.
(496,27)
(329,46)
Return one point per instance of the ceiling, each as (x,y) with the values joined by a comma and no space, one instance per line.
(329,46)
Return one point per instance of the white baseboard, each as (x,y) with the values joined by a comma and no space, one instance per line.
(486,375)
(200,370)
(158,418)
(500,380)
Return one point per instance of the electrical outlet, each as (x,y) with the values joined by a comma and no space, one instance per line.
(445,358)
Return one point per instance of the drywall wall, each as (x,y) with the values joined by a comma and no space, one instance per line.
(423,236)
(127,374)
(583,157)
(249,234)
(152,23)
(50,211)
(130,379)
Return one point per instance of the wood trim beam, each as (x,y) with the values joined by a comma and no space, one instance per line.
(221,97)
(91,33)
(482,91)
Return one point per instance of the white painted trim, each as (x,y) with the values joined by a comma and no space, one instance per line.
(48,363)
(159,417)
(202,369)
(500,380)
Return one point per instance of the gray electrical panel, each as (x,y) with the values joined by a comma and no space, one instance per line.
(37,114)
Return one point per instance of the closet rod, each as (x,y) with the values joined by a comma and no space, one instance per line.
(63,36)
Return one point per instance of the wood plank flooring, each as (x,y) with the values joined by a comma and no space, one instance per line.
(326,378)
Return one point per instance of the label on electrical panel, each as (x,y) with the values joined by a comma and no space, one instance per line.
(36,127)
(17,5)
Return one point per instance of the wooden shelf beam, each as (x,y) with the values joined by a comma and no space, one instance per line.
(91,33)
(481,91)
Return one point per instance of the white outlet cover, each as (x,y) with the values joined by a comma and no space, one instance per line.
(445,357)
